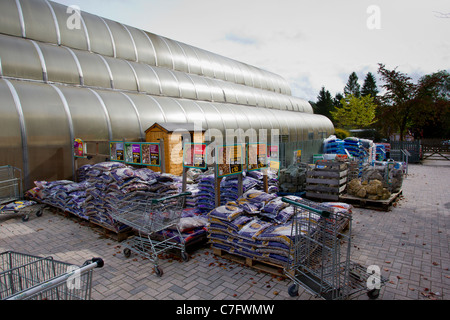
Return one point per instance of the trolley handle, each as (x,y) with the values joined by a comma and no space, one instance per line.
(171,197)
(87,266)
(323,213)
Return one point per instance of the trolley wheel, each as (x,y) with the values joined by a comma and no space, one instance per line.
(373,294)
(158,271)
(127,252)
(184,256)
(293,290)
(25,217)
(39,212)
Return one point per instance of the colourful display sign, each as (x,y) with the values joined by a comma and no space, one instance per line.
(138,153)
(79,148)
(230,160)
(257,156)
(150,154)
(297,156)
(116,151)
(194,155)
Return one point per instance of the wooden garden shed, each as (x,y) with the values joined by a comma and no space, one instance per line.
(174,135)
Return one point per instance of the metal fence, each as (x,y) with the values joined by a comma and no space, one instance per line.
(308,147)
(413,147)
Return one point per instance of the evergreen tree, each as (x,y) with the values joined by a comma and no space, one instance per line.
(324,104)
(352,87)
(369,86)
(337,100)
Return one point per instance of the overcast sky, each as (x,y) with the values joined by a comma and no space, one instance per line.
(309,43)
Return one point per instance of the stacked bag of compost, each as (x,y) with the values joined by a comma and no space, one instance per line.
(63,194)
(258,226)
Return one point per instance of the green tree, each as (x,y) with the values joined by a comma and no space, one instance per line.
(324,104)
(352,87)
(370,86)
(355,112)
(337,100)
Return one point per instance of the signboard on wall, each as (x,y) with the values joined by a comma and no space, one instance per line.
(257,156)
(116,150)
(151,154)
(230,160)
(138,153)
(194,155)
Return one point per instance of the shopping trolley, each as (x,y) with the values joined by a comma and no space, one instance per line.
(320,254)
(152,219)
(29,277)
(11,194)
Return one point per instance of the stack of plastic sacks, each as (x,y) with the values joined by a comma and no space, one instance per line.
(259,226)
(62,194)
(229,187)
(205,201)
(333,145)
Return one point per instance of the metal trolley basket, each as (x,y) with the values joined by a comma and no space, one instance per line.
(28,277)
(320,254)
(151,219)
(11,194)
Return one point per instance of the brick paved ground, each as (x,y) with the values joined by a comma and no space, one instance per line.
(410,244)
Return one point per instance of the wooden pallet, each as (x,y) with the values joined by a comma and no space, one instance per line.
(259,265)
(105,230)
(108,232)
(380,205)
(327,181)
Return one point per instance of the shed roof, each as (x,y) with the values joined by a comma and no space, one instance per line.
(175,126)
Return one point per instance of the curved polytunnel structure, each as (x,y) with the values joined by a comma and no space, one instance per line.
(102,80)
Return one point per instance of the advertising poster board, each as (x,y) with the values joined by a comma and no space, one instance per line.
(257,156)
(230,160)
(194,155)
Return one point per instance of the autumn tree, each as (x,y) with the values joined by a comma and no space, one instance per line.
(413,106)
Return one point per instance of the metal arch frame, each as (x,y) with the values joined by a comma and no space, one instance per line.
(77,62)
(153,47)
(170,51)
(86,33)
(69,119)
(105,110)
(111,77)
(23,129)
(136,54)
(55,20)
(159,106)
(42,60)
(178,83)
(181,107)
(142,133)
(185,57)
(203,112)
(199,61)
(21,19)
(138,86)
(113,42)
(193,83)
(157,77)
